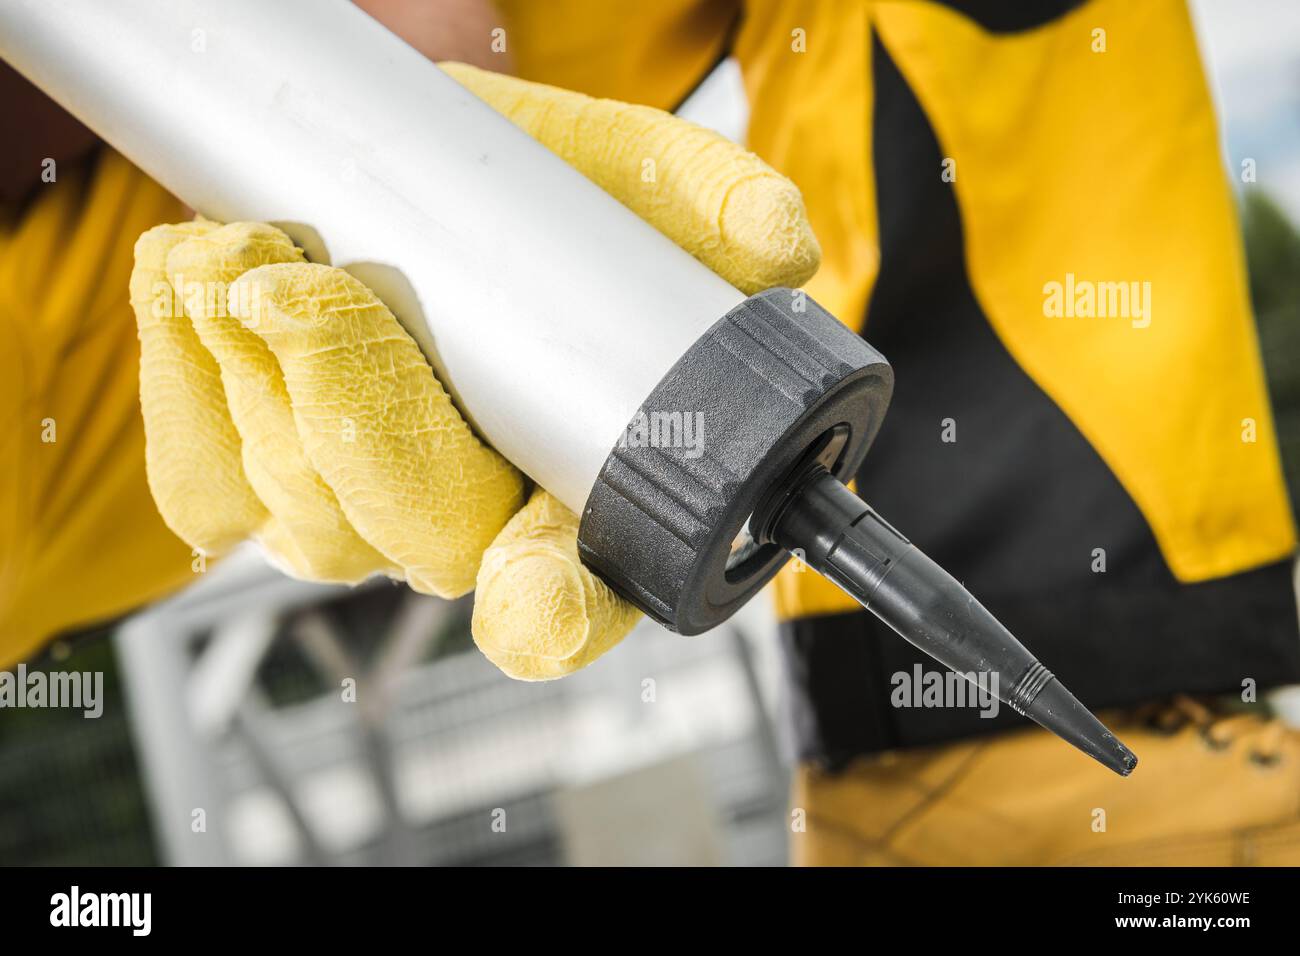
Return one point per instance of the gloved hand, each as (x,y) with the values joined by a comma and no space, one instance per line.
(283,401)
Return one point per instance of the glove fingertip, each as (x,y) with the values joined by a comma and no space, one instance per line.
(539,614)
(766,239)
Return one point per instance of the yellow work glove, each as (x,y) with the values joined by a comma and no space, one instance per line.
(283,401)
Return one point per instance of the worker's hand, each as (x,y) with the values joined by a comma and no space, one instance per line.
(283,401)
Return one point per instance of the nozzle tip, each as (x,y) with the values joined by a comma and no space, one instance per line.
(1056,709)
(1122,760)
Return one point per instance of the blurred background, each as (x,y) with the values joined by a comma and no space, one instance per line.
(254,719)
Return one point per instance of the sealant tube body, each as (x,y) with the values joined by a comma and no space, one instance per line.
(548,309)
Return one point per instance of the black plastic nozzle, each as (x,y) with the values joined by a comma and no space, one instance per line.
(842,538)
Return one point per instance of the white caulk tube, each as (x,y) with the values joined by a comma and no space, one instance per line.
(548,310)
(554,315)
(551,312)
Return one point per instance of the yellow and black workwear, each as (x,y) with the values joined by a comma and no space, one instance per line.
(80,538)
(1108,485)
(1024,207)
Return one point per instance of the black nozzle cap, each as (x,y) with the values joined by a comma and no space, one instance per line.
(841,537)
(765,383)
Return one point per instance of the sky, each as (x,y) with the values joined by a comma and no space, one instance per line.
(1251,50)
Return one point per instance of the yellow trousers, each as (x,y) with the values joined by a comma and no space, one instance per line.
(1210,789)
